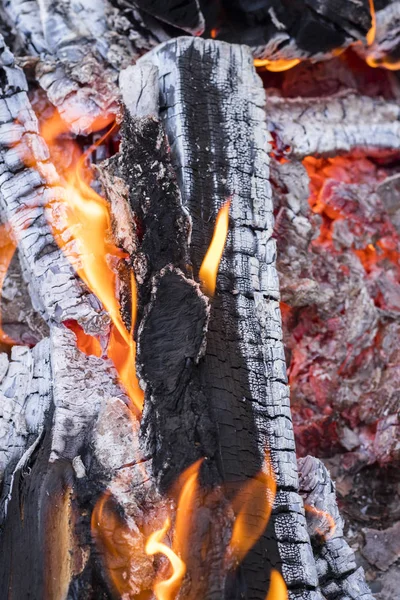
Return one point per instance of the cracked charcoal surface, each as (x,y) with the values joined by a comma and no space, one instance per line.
(219,147)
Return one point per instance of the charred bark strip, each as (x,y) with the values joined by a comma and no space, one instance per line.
(28,186)
(329,125)
(336,566)
(219,147)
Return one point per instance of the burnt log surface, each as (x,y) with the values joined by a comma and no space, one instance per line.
(29,186)
(219,148)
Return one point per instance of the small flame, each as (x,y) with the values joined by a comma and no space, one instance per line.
(7,249)
(276,66)
(87,218)
(86,343)
(167,589)
(253,506)
(188,481)
(372,32)
(209,267)
(329,521)
(277,587)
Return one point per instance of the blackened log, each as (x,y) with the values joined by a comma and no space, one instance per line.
(184,15)
(25,383)
(29,186)
(330,125)
(336,565)
(288,30)
(212,104)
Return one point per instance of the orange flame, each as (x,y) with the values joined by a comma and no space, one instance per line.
(372,32)
(278,65)
(209,267)
(167,589)
(277,587)
(87,218)
(116,542)
(329,521)
(7,250)
(253,506)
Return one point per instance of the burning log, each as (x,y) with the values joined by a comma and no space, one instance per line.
(94,489)
(336,566)
(29,186)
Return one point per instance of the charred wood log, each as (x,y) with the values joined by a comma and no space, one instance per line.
(281,30)
(326,126)
(80,50)
(219,151)
(336,566)
(29,187)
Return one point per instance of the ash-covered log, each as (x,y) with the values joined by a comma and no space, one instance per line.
(337,571)
(229,401)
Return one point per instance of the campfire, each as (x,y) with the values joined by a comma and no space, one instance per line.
(200,299)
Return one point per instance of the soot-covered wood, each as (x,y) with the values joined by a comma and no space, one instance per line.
(212,103)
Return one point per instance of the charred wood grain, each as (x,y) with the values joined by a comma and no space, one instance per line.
(80,49)
(184,15)
(219,148)
(29,185)
(328,125)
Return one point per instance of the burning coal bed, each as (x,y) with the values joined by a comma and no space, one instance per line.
(200,300)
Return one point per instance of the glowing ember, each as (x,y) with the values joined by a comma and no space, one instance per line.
(277,587)
(326,518)
(7,249)
(276,65)
(87,218)
(209,267)
(252,506)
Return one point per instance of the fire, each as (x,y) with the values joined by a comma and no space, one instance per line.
(209,267)
(7,249)
(167,589)
(277,587)
(86,217)
(276,65)
(327,519)
(252,506)
(372,32)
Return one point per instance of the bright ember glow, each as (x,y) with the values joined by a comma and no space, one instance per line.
(252,507)
(86,217)
(277,587)
(209,267)
(7,249)
(276,65)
